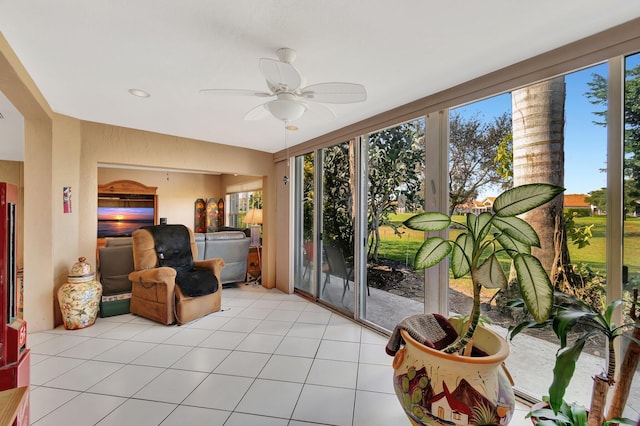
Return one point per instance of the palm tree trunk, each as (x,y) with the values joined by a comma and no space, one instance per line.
(538,154)
(562,274)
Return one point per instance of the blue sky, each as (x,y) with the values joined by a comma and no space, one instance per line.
(585,142)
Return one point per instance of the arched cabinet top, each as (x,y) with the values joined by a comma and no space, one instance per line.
(126,187)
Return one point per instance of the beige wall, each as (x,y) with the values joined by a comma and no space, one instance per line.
(65,154)
(280,215)
(235,183)
(107,144)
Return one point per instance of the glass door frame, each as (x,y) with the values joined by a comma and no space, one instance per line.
(298,227)
(436,198)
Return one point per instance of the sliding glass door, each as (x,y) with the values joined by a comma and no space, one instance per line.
(304,231)
(337,226)
(324,230)
(395,186)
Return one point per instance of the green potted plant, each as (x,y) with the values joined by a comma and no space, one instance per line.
(475,251)
(475,393)
(573,316)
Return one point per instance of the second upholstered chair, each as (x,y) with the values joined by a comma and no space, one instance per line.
(168,285)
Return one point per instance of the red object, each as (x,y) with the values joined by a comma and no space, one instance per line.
(14,355)
(16,340)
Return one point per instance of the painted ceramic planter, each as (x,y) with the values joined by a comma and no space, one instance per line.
(437,388)
(79,297)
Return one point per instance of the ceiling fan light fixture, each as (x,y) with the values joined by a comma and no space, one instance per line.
(285,109)
(292,100)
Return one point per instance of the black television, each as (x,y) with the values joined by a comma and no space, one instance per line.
(122,221)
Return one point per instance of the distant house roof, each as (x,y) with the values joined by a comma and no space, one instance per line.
(576,200)
(474,205)
(570,201)
(488,201)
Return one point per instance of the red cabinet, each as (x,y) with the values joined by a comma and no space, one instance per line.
(14,355)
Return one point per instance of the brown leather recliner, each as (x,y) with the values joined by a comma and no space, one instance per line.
(156,295)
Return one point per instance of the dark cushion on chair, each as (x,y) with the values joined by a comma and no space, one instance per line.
(173,248)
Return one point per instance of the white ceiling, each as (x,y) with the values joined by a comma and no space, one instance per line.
(85,55)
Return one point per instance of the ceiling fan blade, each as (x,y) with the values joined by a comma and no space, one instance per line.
(236,92)
(257,113)
(282,75)
(320,111)
(335,93)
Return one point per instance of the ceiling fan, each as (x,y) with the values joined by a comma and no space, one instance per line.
(284,83)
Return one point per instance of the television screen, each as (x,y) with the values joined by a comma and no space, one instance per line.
(122,221)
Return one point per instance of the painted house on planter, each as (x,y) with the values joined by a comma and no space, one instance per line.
(456,406)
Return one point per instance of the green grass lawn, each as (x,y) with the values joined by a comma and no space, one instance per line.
(402,248)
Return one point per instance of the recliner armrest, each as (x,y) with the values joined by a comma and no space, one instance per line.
(215,265)
(156,275)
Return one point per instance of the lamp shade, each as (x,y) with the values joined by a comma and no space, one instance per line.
(253,216)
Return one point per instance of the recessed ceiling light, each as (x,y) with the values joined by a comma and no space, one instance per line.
(139,93)
(292,127)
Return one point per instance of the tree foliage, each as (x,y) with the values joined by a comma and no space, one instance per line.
(396,170)
(598,198)
(504,160)
(473,149)
(597,95)
(338,199)
(308,193)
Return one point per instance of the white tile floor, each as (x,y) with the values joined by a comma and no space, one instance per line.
(268,359)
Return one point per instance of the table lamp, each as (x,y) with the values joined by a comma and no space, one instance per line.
(254,218)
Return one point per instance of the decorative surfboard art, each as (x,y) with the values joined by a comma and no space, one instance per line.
(200,216)
(220,213)
(212,215)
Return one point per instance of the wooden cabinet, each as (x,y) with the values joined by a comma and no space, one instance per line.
(254,261)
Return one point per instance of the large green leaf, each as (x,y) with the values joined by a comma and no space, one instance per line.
(579,415)
(523,198)
(517,229)
(512,246)
(525,325)
(564,321)
(429,221)
(611,307)
(461,255)
(490,273)
(535,286)
(563,372)
(431,252)
(546,417)
(479,224)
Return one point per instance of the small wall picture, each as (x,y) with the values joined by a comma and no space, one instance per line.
(66,199)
